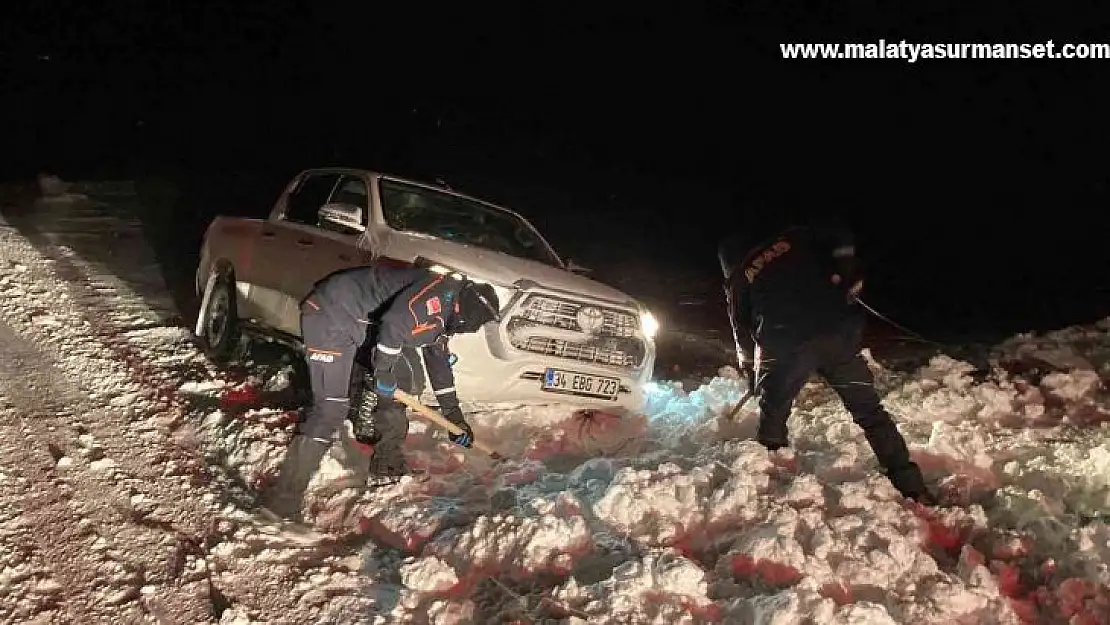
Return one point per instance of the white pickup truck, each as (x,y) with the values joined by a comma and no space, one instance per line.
(563,337)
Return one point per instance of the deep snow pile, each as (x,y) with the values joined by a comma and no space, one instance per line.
(676,516)
(672,516)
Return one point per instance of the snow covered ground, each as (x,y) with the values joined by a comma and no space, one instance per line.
(127,463)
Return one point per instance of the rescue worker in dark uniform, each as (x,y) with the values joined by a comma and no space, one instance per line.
(792,304)
(400,309)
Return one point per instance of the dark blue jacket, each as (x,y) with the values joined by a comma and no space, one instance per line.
(780,292)
(409,307)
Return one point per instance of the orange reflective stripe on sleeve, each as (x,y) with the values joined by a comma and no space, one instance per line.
(418,326)
(421,328)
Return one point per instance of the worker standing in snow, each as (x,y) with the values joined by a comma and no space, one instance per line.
(792,304)
(400,309)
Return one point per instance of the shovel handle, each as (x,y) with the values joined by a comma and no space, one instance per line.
(740,404)
(438,419)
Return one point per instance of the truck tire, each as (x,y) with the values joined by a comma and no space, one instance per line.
(218,321)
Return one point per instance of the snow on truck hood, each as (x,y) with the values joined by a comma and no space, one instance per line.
(497,267)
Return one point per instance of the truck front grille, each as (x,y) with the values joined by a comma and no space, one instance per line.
(554,326)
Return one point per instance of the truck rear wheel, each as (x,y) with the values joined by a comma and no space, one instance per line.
(218,321)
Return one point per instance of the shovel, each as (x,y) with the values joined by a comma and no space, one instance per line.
(437,419)
(743,400)
(740,404)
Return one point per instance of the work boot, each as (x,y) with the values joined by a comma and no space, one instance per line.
(355,459)
(285,497)
(911,484)
(387,468)
(772,432)
(772,446)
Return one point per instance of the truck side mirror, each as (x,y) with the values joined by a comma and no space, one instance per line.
(341,217)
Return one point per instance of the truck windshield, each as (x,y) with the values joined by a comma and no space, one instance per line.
(413,208)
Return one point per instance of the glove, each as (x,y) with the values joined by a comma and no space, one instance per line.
(466,439)
(384,384)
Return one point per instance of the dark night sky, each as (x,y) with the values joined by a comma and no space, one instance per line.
(632,133)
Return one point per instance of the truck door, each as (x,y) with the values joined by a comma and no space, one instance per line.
(323,247)
(291,247)
(337,245)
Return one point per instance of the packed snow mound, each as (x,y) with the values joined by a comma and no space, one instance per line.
(670,515)
(674,515)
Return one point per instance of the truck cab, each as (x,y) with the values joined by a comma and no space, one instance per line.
(562,336)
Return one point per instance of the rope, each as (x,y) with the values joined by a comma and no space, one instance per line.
(911,334)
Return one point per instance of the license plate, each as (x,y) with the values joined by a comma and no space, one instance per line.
(573,383)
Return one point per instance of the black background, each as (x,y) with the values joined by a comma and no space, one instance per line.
(633,134)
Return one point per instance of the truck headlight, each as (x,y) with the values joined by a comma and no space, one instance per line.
(649,324)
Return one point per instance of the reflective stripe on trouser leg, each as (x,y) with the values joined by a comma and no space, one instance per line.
(847,373)
(853,382)
(330,403)
(329,368)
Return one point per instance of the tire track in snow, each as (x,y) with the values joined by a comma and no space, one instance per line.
(62,513)
(136,414)
(182,519)
(42,503)
(125,474)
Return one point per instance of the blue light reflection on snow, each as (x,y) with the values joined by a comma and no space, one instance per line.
(667,400)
